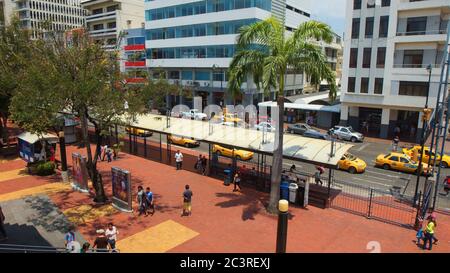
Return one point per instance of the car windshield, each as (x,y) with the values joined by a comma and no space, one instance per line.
(350,157)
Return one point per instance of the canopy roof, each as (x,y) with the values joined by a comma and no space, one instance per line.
(315,151)
(302,106)
(33,138)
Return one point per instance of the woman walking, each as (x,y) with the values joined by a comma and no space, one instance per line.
(429,233)
(237,182)
(142,201)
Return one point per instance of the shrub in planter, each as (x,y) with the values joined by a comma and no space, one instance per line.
(45,168)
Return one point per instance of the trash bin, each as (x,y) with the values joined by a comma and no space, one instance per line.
(284,188)
(227,180)
(293,189)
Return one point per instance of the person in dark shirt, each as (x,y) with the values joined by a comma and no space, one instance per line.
(101,242)
(204,164)
(187,201)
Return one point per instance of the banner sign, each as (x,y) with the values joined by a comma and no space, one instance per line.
(121,186)
(79,172)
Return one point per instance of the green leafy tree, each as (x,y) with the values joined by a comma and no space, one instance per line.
(156,90)
(15,52)
(268,54)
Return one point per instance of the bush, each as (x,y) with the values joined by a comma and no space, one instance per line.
(45,168)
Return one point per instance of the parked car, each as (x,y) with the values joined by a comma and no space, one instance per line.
(265,126)
(400,162)
(298,128)
(194,114)
(138,132)
(187,142)
(443,160)
(352,164)
(230,152)
(315,134)
(346,133)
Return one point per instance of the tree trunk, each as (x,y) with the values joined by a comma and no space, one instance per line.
(277,162)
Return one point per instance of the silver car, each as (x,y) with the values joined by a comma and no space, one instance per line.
(346,133)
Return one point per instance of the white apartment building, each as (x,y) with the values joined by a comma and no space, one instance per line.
(194,42)
(387,49)
(62,14)
(108,19)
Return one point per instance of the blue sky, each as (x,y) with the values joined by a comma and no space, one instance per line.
(331,12)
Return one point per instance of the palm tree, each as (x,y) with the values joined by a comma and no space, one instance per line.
(265,52)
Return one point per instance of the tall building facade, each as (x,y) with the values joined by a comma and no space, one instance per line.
(193,41)
(6,11)
(107,20)
(62,15)
(388,47)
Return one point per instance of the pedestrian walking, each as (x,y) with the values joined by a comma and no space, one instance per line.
(317,175)
(198,164)
(73,247)
(99,152)
(109,154)
(141,199)
(101,242)
(419,235)
(237,182)
(70,236)
(111,233)
(2,225)
(104,152)
(179,160)
(429,234)
(149,198)
(432,217)
(204,164)
(395,143)
(187,201)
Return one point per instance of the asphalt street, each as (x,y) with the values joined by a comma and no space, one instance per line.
(373,177)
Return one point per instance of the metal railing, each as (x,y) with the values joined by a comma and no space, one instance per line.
(421,32)
(416,65)
(13,248)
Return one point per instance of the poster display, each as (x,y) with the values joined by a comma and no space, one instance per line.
(121,187)
(79,172)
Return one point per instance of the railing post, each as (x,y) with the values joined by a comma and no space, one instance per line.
(369,211)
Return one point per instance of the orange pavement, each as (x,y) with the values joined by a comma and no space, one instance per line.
(236,222)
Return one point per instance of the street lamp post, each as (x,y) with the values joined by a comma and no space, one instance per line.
(283,215)
(425,118)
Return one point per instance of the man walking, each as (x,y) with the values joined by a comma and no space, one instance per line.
(179,160)
(2,226)
(70,236)
(111,233)
(187,201)
(204,164)
(150,204)
(395,143)
(142,201)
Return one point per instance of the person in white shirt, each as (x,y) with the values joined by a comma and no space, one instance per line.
(179,160)
(111,233)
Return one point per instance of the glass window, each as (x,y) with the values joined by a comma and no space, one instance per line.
(351,85)
(366,57)
(384,25)
(364,85)
(381,57)
(356,4)
(407,88)
(413,58)
(353,57)
(416,25)
(369,27)
(174,75)
(404,160)
(378,86)
(187,75)
(202,75)
(385,3)
(394,158)
(355,28)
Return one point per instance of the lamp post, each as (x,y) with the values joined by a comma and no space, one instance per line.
(214,67)
(283,207)
(425,119)
(62,147)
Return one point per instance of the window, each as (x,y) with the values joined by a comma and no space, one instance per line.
(97,11)
(364,85)
(416,25)
(356,4)
(355,28)
(378,86)
(218,76)
(174,75)
(381,57)
(112,8)
(369,6)
(98,27)
(393,158)
(385,3)
(413,58)
(404,160)
(384,25)
(413,88)
(112,25)
(353,57)
(369,27)
(186,75)
(202,75)
(351,85)
(366,57)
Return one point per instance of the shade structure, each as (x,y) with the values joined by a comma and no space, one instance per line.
(309,150)
(33,138)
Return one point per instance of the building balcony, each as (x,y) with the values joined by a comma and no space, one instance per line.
(134,48)
(423,32)
(103,32)
(102,16)
(135,64)
(407,5)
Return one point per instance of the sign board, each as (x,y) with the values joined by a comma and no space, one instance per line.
(26,150)
(121,187)
(79,172)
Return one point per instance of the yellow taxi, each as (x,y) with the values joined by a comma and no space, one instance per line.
(230,117)
(230,152)
(187,142)
(352,164)
(138,132)
(399,162)
(415,151)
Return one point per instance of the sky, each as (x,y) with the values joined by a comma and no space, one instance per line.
(331,12)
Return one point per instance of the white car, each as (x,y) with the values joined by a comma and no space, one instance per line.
(265,126)
(194,114)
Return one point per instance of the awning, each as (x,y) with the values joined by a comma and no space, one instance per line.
(302,106)
(33,138)
(315,151)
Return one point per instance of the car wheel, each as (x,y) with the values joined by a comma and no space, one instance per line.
(386,166)
(238,157)
(186,145)
(353,139)
(352,170)
(444,165)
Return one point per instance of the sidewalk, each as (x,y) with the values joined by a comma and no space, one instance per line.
(221,221)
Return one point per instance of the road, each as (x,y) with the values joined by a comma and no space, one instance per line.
(373,177)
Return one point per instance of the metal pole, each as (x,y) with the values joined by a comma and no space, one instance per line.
(422,141)
(62,147)
(283,216)
(160,147)
(145,147)
(370,203)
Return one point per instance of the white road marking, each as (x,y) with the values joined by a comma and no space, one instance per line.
(365,180)
(363,147)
